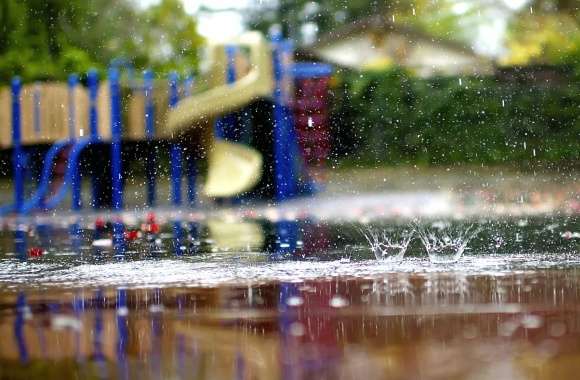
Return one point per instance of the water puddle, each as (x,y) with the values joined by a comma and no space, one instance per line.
(271,299)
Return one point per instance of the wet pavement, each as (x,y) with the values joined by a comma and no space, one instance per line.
(242,296)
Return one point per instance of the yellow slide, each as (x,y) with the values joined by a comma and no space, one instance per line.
(232,168)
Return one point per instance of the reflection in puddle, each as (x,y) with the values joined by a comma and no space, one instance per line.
(401,326)
(251,299)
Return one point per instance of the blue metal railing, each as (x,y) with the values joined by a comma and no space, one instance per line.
(287,165)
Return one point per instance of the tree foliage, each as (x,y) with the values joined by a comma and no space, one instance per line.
(391,117)
(42,39)
(546,31)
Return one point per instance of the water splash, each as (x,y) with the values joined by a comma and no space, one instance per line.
(388,245)
(446,244)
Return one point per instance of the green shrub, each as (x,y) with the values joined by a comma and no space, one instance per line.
(391,117)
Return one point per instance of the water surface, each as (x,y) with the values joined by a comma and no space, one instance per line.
(256,298)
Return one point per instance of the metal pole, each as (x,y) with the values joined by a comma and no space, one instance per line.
(116,130)
(76,183)
(93,83)
(150,135)
(18,153)
(283,161)
(175,150)
(116,168)
(225,127)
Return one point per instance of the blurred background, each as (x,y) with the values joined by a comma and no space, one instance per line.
(418,82)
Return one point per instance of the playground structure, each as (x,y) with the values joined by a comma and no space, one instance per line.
(249,73)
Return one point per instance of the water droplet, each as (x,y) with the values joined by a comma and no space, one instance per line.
(531,321)
(295,301)
(338,302)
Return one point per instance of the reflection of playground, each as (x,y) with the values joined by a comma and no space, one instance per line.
(141,338)
(517,326)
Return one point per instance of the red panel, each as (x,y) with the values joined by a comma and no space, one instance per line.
(311,117)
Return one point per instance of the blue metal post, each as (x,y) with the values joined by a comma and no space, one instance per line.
(116,130)
(150,135)
(231,51)
(175,152)
(119,238)
(116,168)
(287,233)
(284,176)
(175,173)
(18,153)
(75,233)
(20,243)
(76,183)
(93,84)
(225,126)
(178,238)
(149,105)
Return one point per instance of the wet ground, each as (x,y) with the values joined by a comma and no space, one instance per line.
(296,291)
(274,293)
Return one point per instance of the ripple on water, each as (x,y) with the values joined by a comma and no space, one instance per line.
(188,272)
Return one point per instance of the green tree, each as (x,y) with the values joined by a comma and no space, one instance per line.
(169,37)
(49,39)
(545,31)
